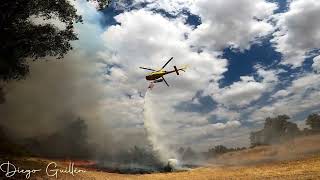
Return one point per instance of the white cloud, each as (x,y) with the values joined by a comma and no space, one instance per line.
(223,114)
(148,39)
(299,31)
(171,6)
(316,64)
(302,96)
(224,23)
(281,93)
(241,93)
(300,85)
(196,134)
(231,23)
(245,91)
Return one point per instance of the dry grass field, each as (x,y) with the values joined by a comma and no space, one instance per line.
(298,159)
(306,168)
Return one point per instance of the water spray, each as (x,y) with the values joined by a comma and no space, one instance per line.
(154,131)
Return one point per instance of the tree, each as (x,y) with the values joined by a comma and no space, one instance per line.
(291,130)
(218,150)
(313,121)
(275,130)
(21,38)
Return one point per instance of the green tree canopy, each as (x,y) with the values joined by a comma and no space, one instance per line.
(21,38)
(313,121)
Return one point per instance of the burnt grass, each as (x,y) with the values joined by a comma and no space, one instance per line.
(138,169)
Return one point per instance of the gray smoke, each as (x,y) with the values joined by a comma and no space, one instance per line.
(55,94)
(54,88)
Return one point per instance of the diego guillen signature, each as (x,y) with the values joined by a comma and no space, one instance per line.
(52,170)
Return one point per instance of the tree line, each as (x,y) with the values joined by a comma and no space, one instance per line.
(279,129)
(276,130)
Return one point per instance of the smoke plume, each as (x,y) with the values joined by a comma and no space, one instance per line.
(154,132)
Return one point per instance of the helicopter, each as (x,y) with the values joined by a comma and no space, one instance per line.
(156,76)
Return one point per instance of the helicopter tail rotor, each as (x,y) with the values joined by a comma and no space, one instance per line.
(176,69)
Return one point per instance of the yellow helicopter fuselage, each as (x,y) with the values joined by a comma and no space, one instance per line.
(155,75)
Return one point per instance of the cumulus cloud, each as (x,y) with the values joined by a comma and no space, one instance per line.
(224,23)
(148,39)
(241,93)
(223,114)
(171,6)
(245,91)
(299,31)
(301,97)
(231,23)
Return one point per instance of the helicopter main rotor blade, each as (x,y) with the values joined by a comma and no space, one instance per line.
(165,81)
(167,63)
(147,69)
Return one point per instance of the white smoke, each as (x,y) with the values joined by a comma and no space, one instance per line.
(154,131)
